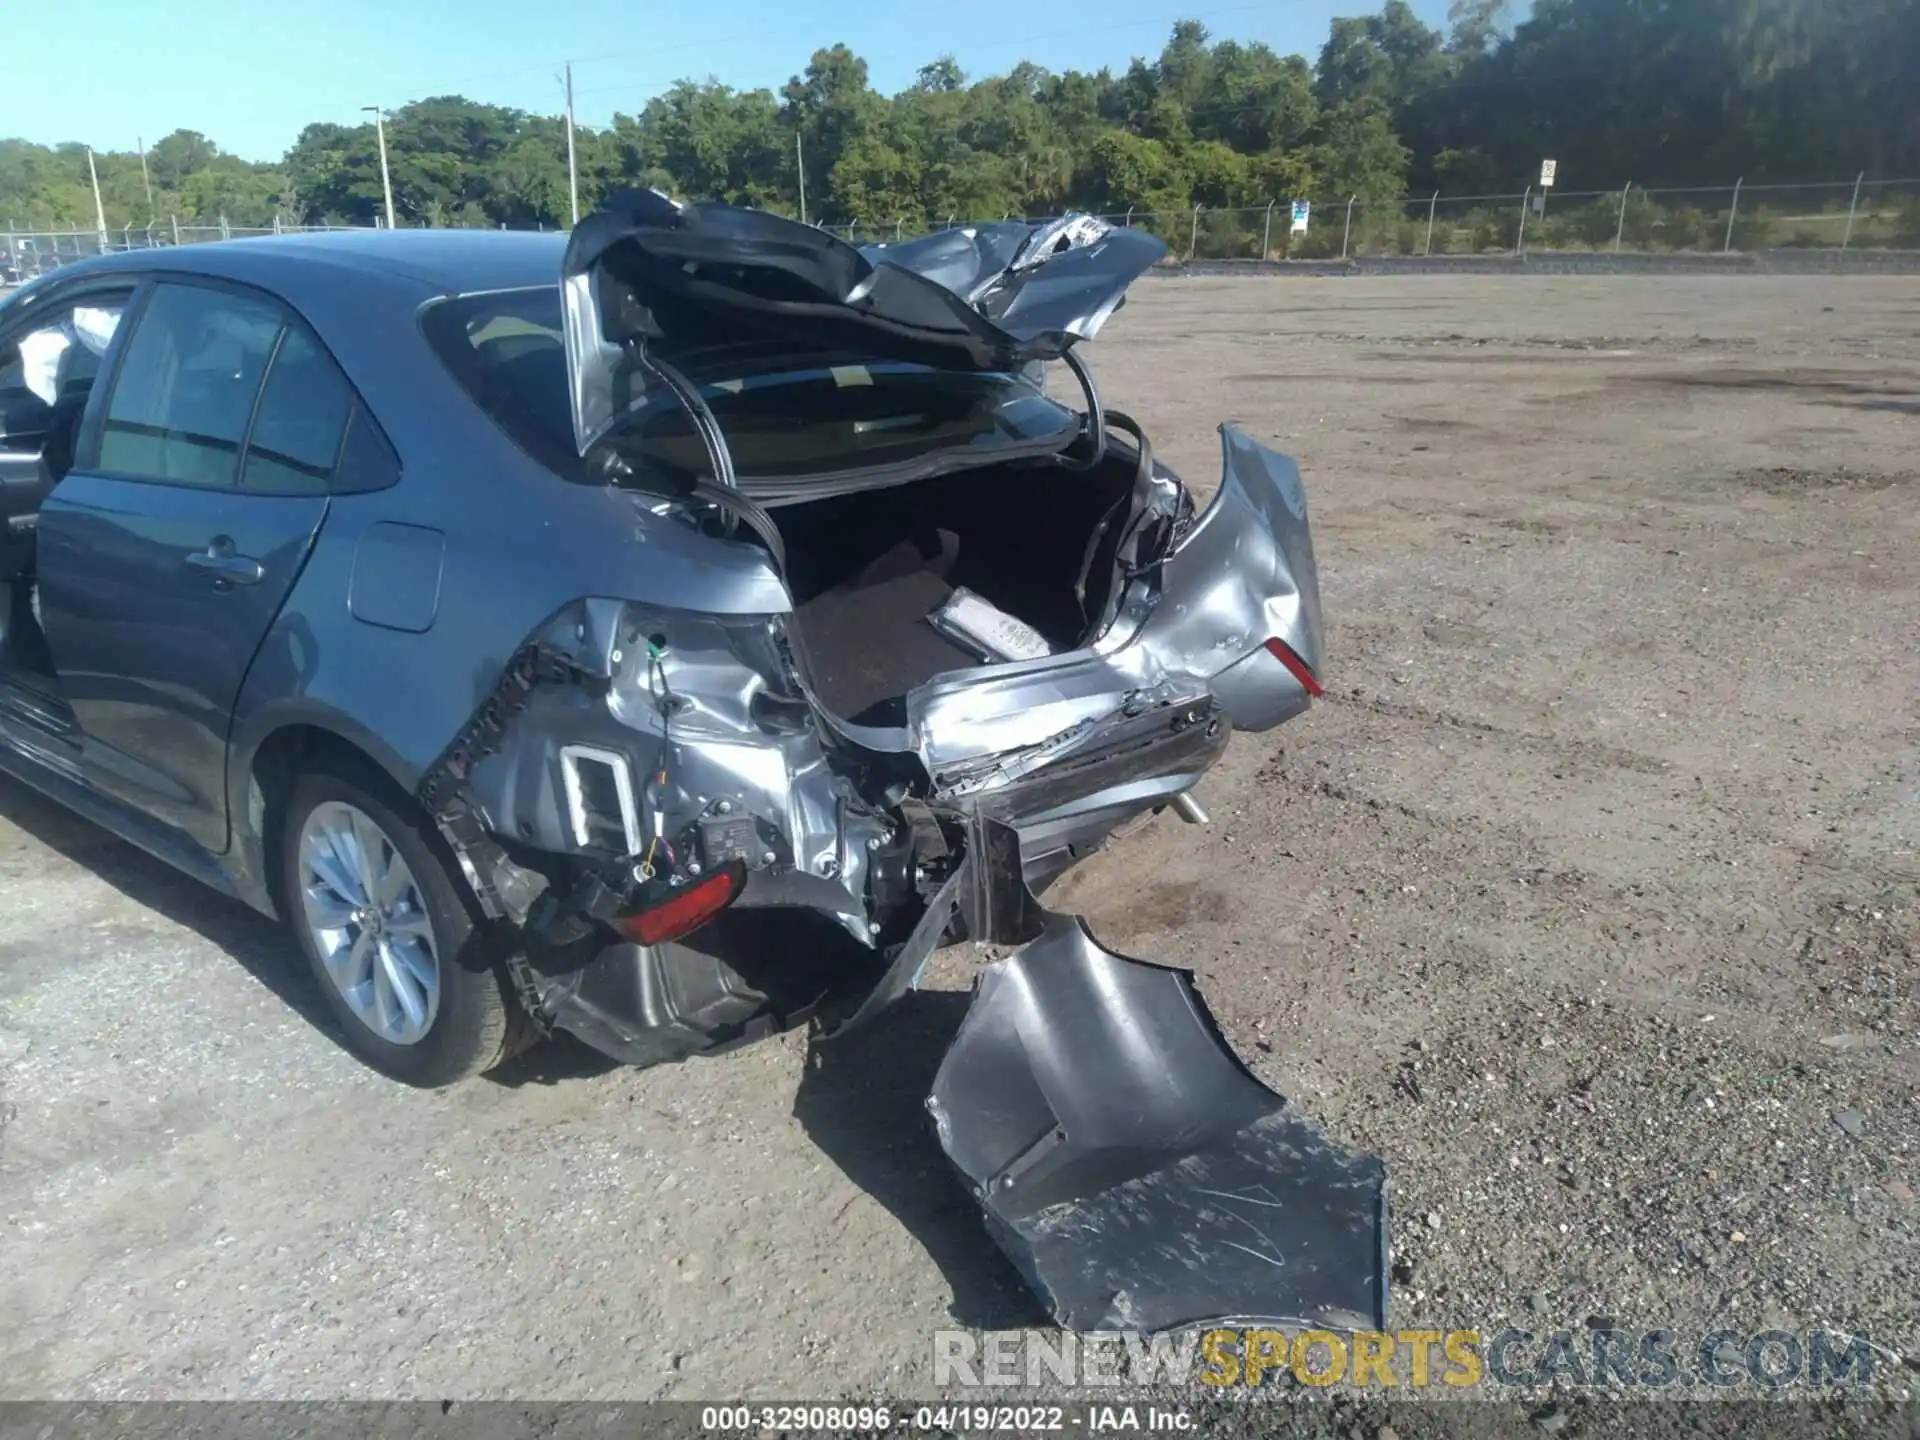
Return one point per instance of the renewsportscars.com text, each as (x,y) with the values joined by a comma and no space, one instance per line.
(1579,1356)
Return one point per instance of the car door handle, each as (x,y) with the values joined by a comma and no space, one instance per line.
(227,567)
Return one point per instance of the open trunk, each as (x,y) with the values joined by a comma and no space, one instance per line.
(869,572)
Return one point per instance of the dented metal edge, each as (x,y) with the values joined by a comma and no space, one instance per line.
(1136,1171)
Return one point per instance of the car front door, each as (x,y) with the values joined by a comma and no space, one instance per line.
(164,555)
(51,350)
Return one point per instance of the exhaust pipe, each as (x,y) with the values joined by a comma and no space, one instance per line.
(1190,810)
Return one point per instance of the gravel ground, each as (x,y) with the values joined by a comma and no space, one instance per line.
(1588,900)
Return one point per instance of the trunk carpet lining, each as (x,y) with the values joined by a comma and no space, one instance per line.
(868,642)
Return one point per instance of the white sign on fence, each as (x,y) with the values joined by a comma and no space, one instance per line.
(1546,173)
(1301,209)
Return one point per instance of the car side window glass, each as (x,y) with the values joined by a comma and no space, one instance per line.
(295,444)
(367,459)
(187,385)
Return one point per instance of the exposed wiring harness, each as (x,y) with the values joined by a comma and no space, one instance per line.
(657,675)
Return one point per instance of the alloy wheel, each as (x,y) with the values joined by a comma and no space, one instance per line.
(369,923)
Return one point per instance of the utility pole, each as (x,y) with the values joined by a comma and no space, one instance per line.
(800,169)
(573,165)
(1852,205)
(386,180)
(99,210)
(145,178)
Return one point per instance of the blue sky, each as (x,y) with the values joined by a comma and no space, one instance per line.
(249,75)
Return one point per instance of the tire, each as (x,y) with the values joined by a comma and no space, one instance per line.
(424,1034)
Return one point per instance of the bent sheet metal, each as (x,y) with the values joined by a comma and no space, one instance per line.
(1139,1176)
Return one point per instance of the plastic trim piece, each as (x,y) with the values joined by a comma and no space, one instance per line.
(571,757)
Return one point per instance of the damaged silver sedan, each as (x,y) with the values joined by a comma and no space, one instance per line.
(676,638)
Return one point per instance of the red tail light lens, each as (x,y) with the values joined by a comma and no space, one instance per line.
(687,911)
(1283,652)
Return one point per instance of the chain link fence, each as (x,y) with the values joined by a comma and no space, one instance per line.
(1855,214)
(1635,219)
(25,254)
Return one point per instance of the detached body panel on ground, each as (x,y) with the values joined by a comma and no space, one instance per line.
(674,636)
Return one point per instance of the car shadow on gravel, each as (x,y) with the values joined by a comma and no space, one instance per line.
(557,1060)
(259,945)
(862,1101)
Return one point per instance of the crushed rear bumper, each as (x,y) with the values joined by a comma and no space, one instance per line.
(1134,1170)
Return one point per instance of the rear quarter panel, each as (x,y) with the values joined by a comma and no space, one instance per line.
(517,543)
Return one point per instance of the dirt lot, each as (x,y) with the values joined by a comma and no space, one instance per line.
(1589,900)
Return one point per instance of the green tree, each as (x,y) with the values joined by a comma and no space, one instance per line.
(830,105)
(1668,92)
(1358,153)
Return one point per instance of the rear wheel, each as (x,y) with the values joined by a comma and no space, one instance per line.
(390,932)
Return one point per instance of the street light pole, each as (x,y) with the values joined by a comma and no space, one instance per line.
(145,178)
(386,180)
(99,211)
(573,165)
(800,174)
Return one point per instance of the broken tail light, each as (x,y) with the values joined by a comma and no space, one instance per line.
(686,910)
(1302,672)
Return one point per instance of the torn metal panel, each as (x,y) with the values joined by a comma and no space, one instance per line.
(649,271)
(1139,1176)
(651,1005)
(708,759)
(1059,278)
(1254,545)
(904,971)
(1240,574)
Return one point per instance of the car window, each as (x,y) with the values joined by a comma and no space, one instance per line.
(295,444)
(47,370)
(507,349)
(180,404)
(784,414)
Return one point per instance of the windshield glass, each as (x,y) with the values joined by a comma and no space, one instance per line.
(784,414)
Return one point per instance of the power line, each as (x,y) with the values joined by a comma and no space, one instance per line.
(806,36)
(1011,41)
(947,9)
(1457,83)
(656,87)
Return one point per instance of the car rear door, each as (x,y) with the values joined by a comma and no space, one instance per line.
(201,482)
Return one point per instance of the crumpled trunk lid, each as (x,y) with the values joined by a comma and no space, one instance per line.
(645,271)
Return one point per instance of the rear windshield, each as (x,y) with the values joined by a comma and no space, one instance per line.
(784,415)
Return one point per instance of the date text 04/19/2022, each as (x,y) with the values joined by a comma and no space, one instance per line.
(948,1419)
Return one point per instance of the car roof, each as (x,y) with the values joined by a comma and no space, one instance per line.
(437,261)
